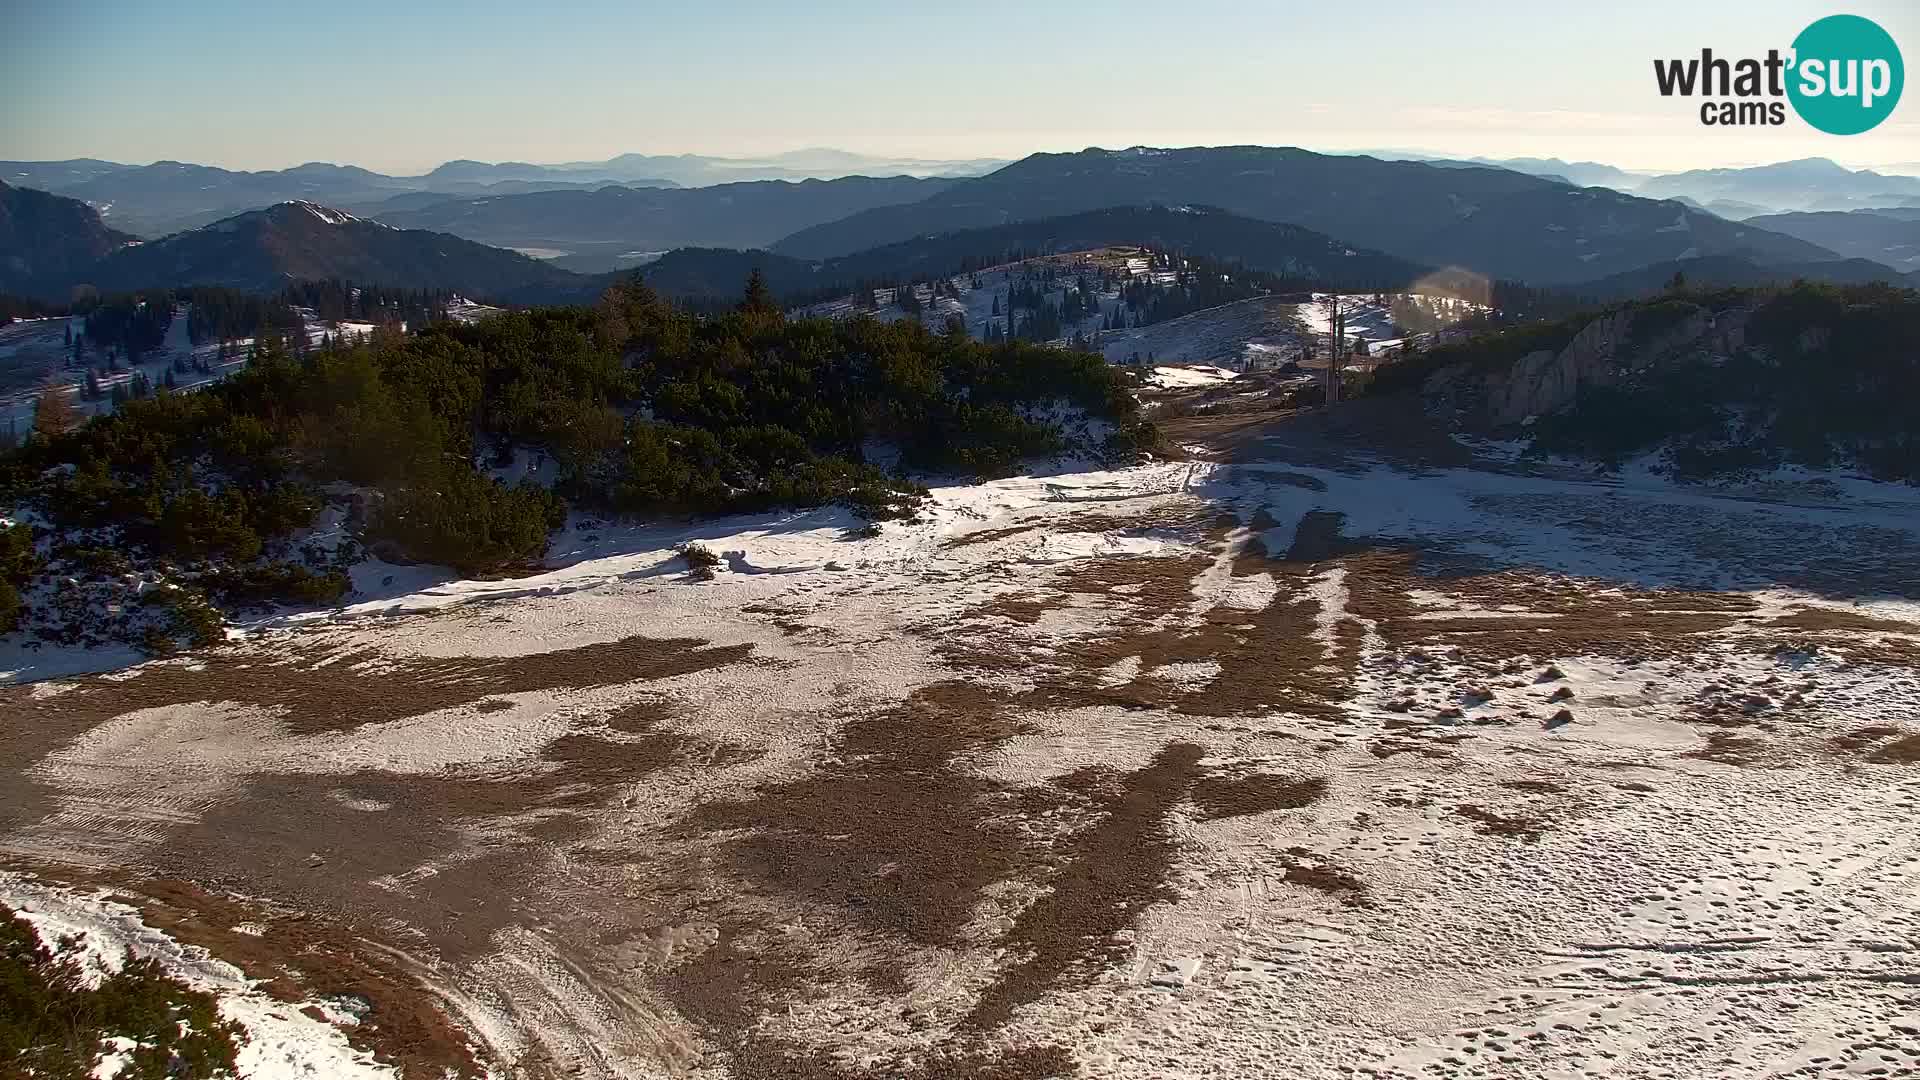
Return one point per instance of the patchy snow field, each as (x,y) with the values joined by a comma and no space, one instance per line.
(1232,767)
(1184,377)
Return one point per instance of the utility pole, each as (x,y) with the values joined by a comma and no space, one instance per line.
(1336,335)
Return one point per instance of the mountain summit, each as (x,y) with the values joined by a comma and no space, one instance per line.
(263,250)
(1494,221)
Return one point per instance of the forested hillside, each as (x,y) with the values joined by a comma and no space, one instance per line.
(1290,257)
(46,237)
(1494,222)
(646,409)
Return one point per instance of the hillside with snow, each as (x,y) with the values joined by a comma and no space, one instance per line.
(1111,293)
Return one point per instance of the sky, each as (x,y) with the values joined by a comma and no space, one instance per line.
(402,85)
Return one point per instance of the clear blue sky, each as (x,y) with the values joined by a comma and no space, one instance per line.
(402,85)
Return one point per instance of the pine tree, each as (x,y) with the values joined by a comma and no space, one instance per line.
(759,299)
(53,413)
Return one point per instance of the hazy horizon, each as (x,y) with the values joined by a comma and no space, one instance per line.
(1911,168)
(400,91)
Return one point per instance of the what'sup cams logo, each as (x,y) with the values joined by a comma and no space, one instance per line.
(1843,76)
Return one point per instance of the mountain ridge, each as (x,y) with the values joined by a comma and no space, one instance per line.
(43,235)
(168,196)
(1493,221)
(749,214)
(263,250)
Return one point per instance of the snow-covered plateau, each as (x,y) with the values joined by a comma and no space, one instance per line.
(1288,759)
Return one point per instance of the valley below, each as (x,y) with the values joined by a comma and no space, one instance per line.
(1308,753)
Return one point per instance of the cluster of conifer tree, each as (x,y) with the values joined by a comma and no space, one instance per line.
(646,409)
(23,307)
(129,325)
(57,1016)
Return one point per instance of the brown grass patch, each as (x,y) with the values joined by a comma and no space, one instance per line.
(1023,608)
(786,620)
(1305,868)
(1728,748)
(988,536)
(887,830)
(457,855)
(319,691)
(1823,618)
(1548,787)
(1237,796)
(1523,826)
(893,833)
(1151,582)
(1116,869)
(1269,659)
(1621,634)
(1861,738)
(1134,588)
(1560,616)
(1897,652)
(1158,519)
(751,972)
(1904,751)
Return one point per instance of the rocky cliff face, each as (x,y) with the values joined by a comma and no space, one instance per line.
(1722,383)
(1611,350)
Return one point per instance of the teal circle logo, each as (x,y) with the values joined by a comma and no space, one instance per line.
(1846,76)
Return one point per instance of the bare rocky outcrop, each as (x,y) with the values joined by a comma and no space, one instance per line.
(1610,350)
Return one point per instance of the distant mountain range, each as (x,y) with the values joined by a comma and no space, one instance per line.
(696,170)
(1497,222)
(1806,184)
(1356,222)
(1888,236)
(613,221)
(1733,193)
(1577,173)
(168,196)
(46,237)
